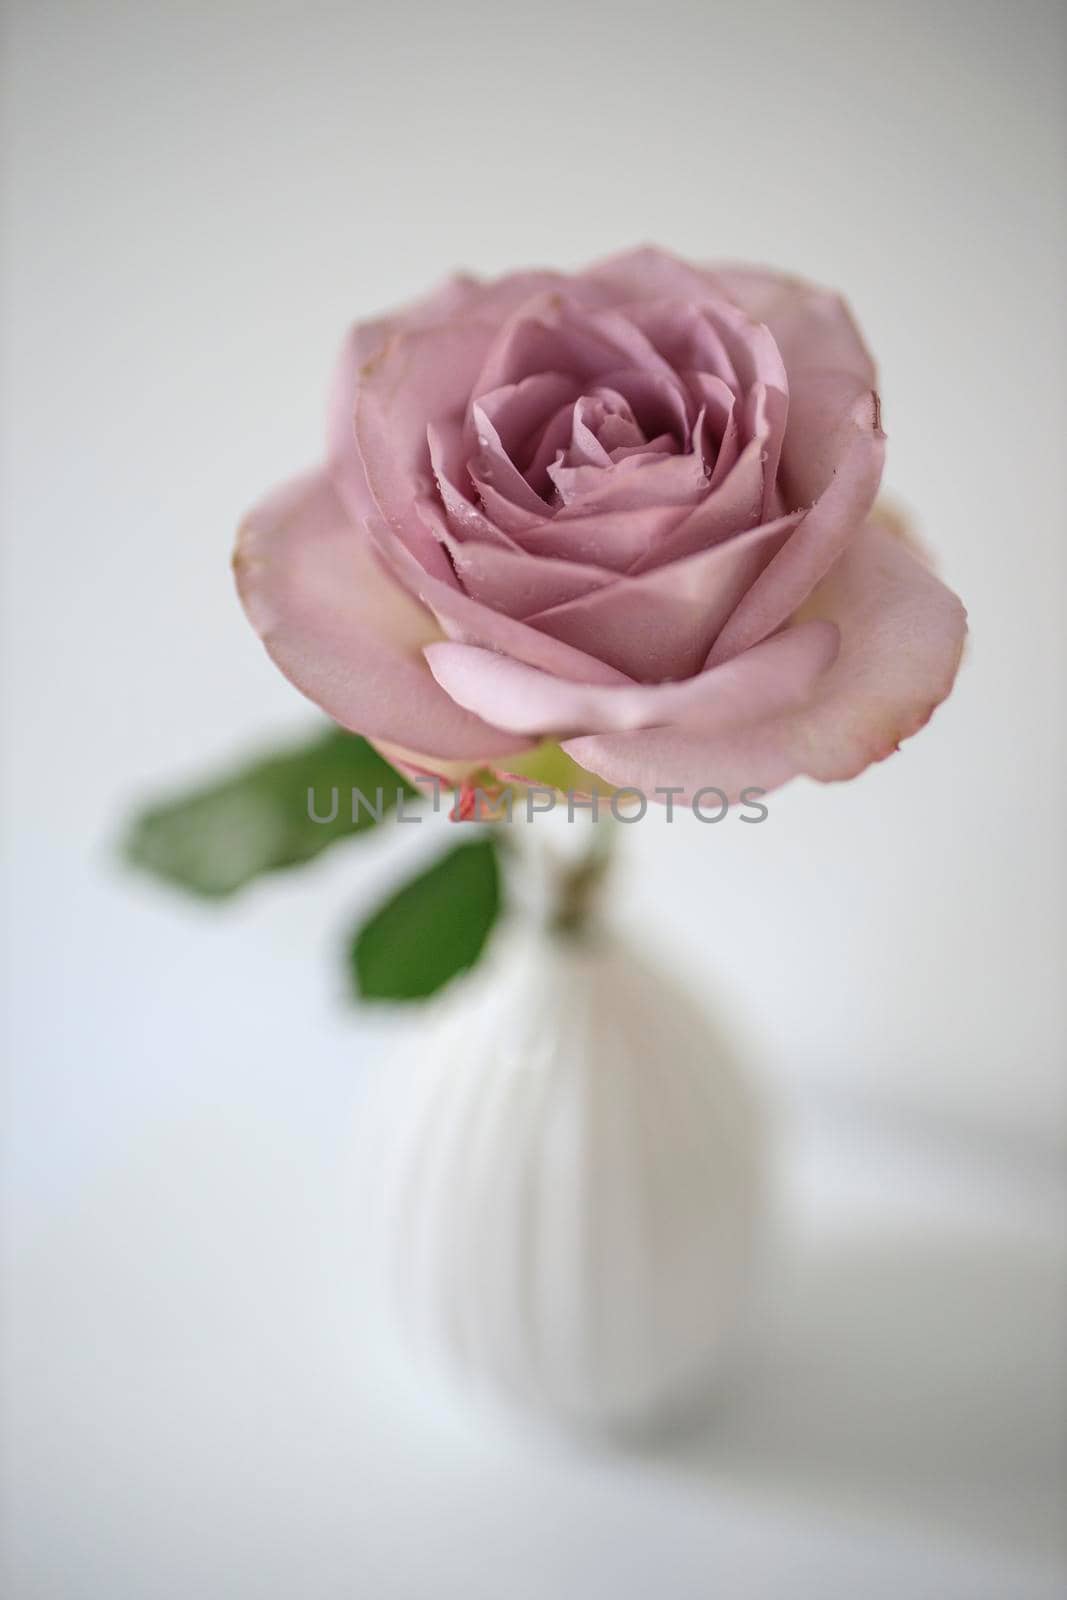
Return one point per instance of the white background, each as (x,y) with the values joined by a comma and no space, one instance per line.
(199,198)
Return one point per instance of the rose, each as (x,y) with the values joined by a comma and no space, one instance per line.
(629,510)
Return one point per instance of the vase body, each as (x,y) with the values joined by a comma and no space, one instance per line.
(575,1188)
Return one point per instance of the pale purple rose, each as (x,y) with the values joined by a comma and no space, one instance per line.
(628,510)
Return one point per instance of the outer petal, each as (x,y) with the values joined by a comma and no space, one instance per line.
(811,326)
(417,378)
(837,448)
(362,343)
(398,375)
(647,273)
(459,294)
(902,635)
(342,630)
(776,674)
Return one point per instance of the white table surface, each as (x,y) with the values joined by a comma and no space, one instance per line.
(206,1402)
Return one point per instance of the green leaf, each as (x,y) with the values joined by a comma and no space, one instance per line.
(214,839)
(431,929)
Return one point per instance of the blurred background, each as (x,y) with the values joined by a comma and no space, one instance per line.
(198,198)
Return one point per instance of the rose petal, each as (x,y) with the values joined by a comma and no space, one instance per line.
(648,273)
(693,336)
(776,674)
(841,429)
(551,444)
(419,377)
(726,511)
(902,635)
(811,326)
(649,481)
(556,333)
(465,519)
(517,583)
(342,630)
(689,763)
(661,624)
(688,339)
(659,401)
(613,539)
(513,519)
(365,340)
(522,409)
(585,449)
(473,623)
(719,406)
(491,469)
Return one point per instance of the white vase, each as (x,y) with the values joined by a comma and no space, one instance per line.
(576,1190)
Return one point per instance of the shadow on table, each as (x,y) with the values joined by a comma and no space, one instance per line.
(921,1374)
